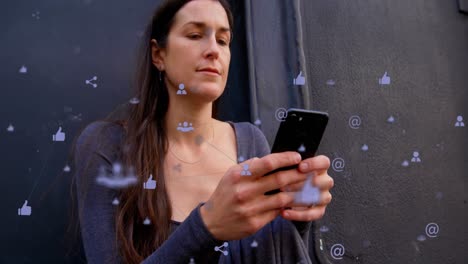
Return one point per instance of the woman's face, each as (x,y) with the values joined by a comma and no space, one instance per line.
(197,52)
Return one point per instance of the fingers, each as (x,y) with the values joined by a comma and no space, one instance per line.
(319,164)
(274,202)
(294,179)
(279,180)
(323,182)
(324,198)
(310,214)
(267,216)
(274,161)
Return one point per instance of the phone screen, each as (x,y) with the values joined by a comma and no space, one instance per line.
(301,131)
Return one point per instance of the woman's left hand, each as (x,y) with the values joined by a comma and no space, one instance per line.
(317,165)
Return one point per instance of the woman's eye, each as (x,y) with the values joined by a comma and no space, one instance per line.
(222,42)
(194,36)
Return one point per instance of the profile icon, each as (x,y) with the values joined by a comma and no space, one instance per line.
(459,122)
(185,127)
(182,90)
(416,157)
(245,171)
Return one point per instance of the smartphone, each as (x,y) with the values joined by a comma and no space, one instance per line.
(301,131)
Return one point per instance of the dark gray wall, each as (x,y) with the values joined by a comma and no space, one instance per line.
(380,209)
(63,44)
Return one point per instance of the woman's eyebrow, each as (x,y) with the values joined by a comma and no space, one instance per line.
(203,25)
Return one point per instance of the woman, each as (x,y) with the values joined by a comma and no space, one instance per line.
(192,202)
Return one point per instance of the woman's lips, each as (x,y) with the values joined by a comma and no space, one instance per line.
(210,73)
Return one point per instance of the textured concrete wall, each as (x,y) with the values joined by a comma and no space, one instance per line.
(393,77)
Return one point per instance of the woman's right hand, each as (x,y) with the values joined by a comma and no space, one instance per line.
(238,207)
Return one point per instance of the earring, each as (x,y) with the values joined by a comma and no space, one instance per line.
(160,78)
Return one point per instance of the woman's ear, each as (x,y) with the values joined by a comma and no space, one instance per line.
(156,55)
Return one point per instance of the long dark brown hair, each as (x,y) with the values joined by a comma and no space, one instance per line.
(145,145)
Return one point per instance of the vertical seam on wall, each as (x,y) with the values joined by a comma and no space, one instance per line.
(300,54)
(251,62)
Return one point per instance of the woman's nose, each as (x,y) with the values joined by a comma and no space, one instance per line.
(212,48)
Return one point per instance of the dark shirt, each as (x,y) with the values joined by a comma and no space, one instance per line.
(280,241)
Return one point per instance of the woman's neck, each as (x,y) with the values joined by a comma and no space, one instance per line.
(188,125)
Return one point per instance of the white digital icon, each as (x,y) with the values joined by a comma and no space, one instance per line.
(192,261)
(90,81)
(245,171)
(301,148)
(222,248)
(139,33)
(365,148)
(391,119)
(77,49)
(185,127)
(281,114)
(10,128)
(36,15)
(199,139)
(354,122)
(150,184)
(337,251)
(178,167)
(59,136)
(25,209)
(117,179)
(299,80)
(324,229)
(182,90)
(432,230)
(23,69)
(258,122)
(76,118)
(308,194)
(415,157)
(405,163)
(366,243)
(331,82)
(134,101)
(115,201)
(385,80)
(254,244)
(147,221)
(338,164)
(421,238)
(66,168)
(459,122)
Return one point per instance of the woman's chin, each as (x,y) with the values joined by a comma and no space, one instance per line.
(208,91)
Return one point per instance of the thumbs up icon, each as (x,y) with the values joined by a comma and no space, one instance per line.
(385,80)
(299,80)
(59,136)
(150,183)
(25,209)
